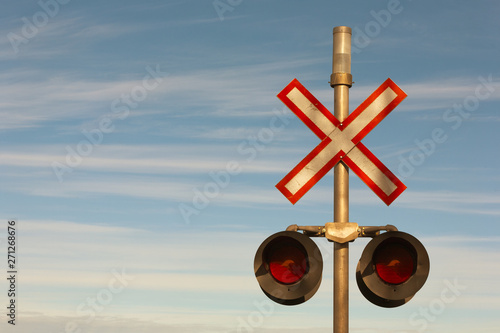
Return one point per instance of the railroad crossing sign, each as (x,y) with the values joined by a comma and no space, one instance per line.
(341,141)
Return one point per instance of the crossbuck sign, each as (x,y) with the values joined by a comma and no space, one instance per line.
(341,141)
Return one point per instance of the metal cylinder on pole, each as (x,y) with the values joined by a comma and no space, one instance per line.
(341,81)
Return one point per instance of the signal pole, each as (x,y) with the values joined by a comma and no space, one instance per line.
(279,262)
(341,81)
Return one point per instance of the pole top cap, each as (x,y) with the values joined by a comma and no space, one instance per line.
(342,29)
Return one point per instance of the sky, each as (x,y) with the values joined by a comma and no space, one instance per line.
(141,142)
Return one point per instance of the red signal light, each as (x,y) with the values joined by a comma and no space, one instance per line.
(288,266)
(394,263)
(393,267)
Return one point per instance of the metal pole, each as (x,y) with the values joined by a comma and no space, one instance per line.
(341,81)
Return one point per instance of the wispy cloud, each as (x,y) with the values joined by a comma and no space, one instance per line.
(453,202)
(151,159)
(54,96)
(58,98)
(436,93)
(61,35)
(166,172)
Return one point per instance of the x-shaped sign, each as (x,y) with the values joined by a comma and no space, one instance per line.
(341,141)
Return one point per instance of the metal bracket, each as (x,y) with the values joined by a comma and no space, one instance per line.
(341,232)
(311,231)
(374,231)
(337,232)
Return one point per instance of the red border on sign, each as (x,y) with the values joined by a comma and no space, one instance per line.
(388,199)
(306,120)
(316,178)
(391,106)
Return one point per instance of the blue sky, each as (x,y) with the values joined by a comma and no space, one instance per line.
(141,143)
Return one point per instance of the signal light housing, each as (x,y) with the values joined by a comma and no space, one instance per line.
(393,267)
(288,266)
